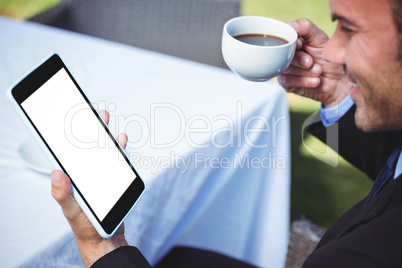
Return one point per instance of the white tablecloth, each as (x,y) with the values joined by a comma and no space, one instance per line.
(212,148)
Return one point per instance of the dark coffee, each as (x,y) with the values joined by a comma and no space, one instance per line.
(261,39)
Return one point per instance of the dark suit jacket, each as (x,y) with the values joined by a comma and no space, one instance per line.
(178,257)
(362,237)
(122,257)
(369,236)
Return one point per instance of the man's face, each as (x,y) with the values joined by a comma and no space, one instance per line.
(366,42)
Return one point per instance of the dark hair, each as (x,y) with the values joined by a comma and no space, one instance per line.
(396,6)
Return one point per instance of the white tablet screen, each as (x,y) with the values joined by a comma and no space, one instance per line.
(79,141)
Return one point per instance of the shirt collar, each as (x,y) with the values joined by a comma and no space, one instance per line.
(398,169)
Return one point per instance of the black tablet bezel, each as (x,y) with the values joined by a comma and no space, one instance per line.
(34,81)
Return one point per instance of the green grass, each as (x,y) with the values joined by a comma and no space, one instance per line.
(319,192)
(287,10)
(23,9)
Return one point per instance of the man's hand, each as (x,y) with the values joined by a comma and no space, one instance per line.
(309,74)
(91,245)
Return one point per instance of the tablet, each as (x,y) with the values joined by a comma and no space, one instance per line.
(76,140)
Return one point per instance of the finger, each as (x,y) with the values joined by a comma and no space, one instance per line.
(105,116)
(302,60)
(315,71)
(62,192)
(299,43)
(309,32)
(292,81)
(122,139)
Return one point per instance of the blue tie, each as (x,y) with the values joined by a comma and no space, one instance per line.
(386,173)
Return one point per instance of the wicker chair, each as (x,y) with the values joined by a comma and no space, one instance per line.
(189,29)
(304,237)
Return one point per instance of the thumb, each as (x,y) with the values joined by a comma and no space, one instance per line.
(311,34)
(62,193)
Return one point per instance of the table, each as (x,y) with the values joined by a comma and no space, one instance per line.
(212,148)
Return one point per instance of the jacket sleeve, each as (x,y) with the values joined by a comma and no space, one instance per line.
(122,257)
(367,151)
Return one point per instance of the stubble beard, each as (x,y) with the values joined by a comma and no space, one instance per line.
(380,106)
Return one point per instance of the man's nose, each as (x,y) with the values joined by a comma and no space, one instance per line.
(334,50)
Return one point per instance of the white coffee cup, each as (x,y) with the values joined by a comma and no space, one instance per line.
(253,62)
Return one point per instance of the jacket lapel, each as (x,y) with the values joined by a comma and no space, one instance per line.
(392,192)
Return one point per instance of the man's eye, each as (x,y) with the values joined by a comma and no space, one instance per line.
(346,29)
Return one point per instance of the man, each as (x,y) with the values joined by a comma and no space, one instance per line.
(357,76)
